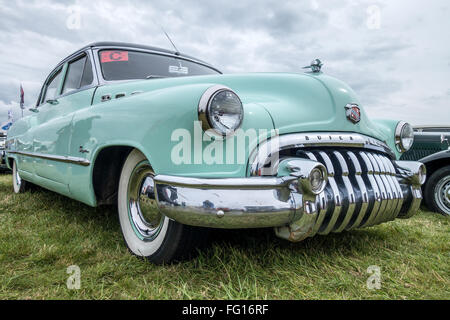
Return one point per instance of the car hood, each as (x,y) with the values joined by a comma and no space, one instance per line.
(310,102)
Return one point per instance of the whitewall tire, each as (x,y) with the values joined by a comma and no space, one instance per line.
(19,184)
(147,233)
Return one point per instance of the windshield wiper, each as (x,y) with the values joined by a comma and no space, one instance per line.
(153,76)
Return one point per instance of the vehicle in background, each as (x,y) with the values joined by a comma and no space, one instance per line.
(432,147)
(3,166)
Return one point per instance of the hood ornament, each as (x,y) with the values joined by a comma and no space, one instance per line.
(353,112)
(315,65)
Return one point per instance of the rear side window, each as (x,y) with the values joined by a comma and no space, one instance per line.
(79,74)
(52,86)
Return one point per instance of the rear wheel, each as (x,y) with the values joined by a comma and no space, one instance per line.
(437,191)
(146,231)
(19,184)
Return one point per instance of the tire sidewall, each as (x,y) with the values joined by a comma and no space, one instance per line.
(17,188)
(134,243)
(431,189)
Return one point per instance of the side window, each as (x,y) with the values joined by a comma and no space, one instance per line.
(88,76)
(79,74)
(52,86)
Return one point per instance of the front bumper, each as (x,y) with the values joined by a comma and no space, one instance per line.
(358,194)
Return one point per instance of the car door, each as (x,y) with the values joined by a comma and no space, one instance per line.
(75,86)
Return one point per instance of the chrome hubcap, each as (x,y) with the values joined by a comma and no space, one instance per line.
(442,194)
(144,215)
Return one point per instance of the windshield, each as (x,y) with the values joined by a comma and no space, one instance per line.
(126,65)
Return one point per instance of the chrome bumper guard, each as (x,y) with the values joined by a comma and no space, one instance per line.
(363,189)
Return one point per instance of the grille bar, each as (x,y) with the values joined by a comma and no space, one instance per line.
(336,195)
(364,196)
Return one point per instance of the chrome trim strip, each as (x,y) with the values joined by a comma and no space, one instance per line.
(336,195)
(225,183)
(263,154)
(350,192)
(66,159)
(362,189)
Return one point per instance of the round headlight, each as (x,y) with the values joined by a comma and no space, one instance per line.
(404,136)
(220,109)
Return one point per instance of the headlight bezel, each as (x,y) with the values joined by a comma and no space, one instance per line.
(399,131)
(204,110)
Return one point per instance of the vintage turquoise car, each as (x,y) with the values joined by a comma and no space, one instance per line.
(182,148)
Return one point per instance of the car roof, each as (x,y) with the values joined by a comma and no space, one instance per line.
(135,46)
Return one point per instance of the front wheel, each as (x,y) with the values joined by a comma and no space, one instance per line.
(146,231)
(437,191)
(19,184)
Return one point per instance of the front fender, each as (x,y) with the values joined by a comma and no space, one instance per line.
(158,121)
(436,156)
(387,129)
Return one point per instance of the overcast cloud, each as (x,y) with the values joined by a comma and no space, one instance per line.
(399,64)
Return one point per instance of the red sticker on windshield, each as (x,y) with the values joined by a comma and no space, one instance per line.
(112,56)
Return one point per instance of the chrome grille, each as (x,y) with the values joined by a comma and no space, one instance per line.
(362,189)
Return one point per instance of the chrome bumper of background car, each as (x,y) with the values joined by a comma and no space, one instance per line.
(367,189)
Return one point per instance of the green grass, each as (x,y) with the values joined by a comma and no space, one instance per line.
(42,233)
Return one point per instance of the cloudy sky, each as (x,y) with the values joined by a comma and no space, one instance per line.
(395,54)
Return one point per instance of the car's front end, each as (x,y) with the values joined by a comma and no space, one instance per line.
(335,182)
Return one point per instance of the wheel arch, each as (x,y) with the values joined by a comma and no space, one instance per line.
(9,161)
(106,169)
(436,161)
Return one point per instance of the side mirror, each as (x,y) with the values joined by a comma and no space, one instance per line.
(34,110)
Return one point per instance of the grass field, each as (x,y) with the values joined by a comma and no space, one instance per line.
(42,233)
